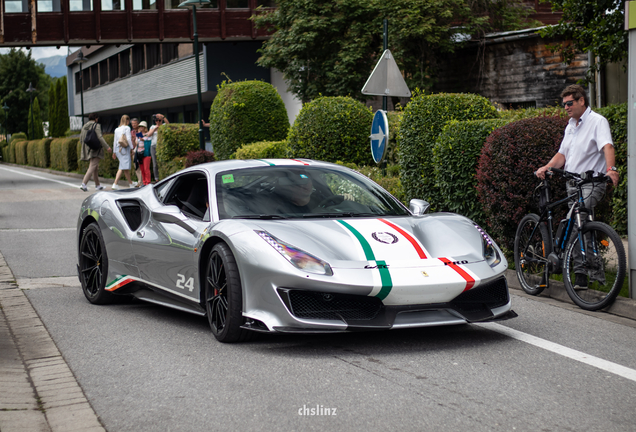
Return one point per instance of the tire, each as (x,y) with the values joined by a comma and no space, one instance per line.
(93,266)
(224,297)
(531,254)
(605,269)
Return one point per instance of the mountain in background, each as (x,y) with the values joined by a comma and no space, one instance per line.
(54,65)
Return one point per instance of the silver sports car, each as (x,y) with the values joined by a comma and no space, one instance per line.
(291,246)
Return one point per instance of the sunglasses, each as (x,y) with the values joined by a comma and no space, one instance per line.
(568,104)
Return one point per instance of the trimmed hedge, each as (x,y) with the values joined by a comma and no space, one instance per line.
(263,150)
(21,156)
(422,121)
(392,153)
(168,168)
(518,114)
(20,136)
(505,179)
(332,129)
(455,157)
(246,112)
(616,115)
(39,152)
(64,154)
(176,140)
(4,150)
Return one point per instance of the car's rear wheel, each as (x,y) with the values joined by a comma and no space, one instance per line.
(224,297)
(93,266)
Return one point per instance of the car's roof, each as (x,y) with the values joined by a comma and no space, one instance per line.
(215,167)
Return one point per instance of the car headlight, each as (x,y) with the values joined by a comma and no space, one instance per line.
(489,250)
(298,258)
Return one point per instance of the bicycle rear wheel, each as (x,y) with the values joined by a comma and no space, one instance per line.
(532,247)
(602,267)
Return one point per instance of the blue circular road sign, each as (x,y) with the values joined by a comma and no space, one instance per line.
(379,136)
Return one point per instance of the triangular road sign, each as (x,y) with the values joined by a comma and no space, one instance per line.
(386,79)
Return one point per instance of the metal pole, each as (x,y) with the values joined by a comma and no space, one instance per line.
(386,47)
(31,109)
(81,93)
(631,161)
(196,60)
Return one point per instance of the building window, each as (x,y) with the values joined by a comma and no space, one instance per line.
(77,82)
(94,76)
(15,6)
(113,68)
(169,52)
(124,63)
(81,5)
(266,3)
(86,78)
(237,4)
(110,5)
(152,55)
(103,72)
(144,4)
(138,60)
(49,6)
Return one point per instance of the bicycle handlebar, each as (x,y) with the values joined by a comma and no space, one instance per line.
(585,177)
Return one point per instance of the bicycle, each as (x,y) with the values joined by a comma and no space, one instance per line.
(580,246)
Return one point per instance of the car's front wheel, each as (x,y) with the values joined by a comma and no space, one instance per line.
(223,296)
(93,266)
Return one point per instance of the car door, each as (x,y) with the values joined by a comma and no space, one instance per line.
(164,247)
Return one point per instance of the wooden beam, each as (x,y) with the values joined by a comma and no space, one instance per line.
(34,21)
(160,9)
(252,4)
(1,21)
(129,26)
(97,10)
(222,4)
(65,10)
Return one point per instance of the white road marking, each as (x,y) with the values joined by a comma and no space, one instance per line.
(582,357)
(35,229)
(74,185)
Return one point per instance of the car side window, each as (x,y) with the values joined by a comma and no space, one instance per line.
(190,194)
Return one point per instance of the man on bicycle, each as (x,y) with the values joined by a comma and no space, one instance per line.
(587,145)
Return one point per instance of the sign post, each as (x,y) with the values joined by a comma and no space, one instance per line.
(630,26)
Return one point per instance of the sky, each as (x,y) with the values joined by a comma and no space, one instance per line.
(43,52)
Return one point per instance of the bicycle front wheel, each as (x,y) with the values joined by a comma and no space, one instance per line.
(532,247)
(594,266)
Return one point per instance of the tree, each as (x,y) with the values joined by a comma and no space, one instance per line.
(596,26)
(35,128)
(329,48)
(62,106)
(17,70)
(53,129)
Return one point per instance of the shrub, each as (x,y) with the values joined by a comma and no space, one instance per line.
(617,117)
(518,114)
(455,157)
(64,154)
(4,150)
(246,112)
(199,157)
(422,121)
(21,156)
(176,140)
(263,150)
(39,152)
(332,129)
(394,117)
(168,168)
(505,179)
(20,136)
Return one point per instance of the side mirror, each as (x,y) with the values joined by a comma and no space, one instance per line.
(418,207)
(172,214)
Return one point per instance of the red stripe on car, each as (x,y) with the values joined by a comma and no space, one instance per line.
(468,278)
(409,237)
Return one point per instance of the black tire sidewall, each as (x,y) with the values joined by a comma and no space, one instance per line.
(102,296)
(548,248)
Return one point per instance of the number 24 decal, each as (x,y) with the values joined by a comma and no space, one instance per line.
(189,284)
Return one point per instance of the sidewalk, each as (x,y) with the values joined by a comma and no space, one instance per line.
(38,391)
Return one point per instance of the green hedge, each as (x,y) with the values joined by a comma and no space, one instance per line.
(455,157)
(39,152)
(263,150)
(518,114)
(4,150)
(168,168)
(332,129)
(422,121)
(21,156)
(246,112)
(176,140)
(64,154)
(20,136)
(392,153)
(616,115)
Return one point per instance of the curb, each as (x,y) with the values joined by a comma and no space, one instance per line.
(623,307)
(38,391)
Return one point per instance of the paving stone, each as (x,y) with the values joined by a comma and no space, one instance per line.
(27,421)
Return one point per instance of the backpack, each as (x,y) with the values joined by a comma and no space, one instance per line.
(91,139)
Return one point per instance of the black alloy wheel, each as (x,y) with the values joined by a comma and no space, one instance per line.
(223,296)
(93,266)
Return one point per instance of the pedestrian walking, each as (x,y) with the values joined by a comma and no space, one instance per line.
(91,155)
(143,152)
(158,120)
(123,146)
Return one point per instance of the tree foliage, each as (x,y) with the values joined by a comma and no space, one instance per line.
(596,26)
(329,48)
(17,70)
(35,129)
(61,95)
(53,130)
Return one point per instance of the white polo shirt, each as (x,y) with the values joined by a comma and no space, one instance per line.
(582,145)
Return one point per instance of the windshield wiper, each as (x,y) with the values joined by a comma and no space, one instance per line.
(261,216)
(328,215)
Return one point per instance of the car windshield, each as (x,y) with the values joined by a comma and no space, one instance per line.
(282,192)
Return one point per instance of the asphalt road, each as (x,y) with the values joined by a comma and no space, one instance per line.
(147,368)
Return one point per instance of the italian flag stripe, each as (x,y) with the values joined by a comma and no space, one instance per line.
(468,278)
(119,282)
(304,163)
(268,163)
(385,276)
(409,237)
